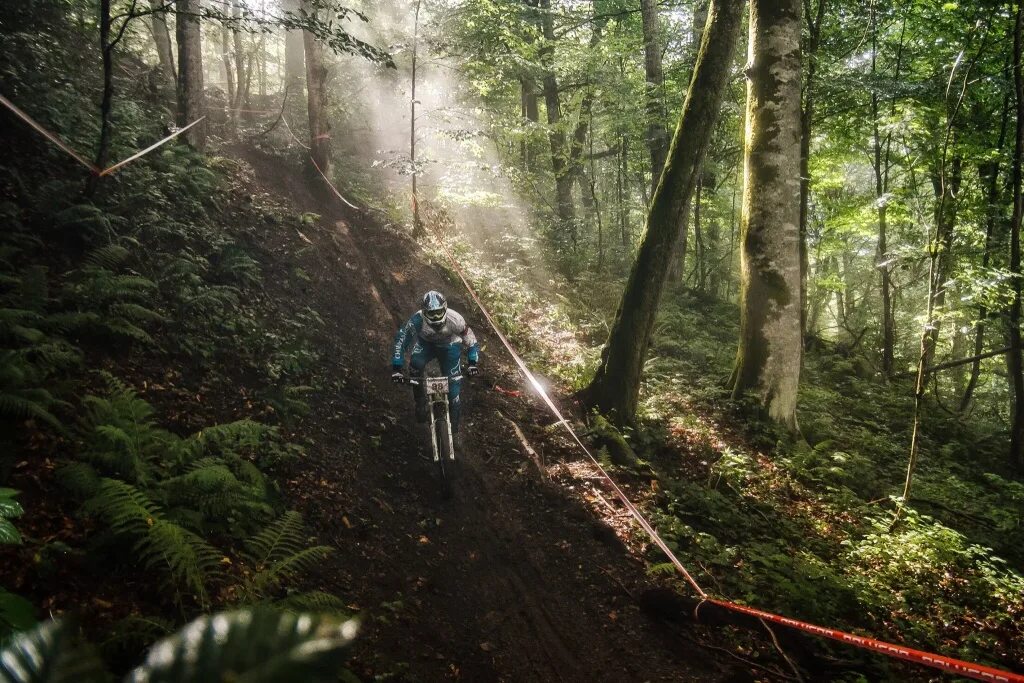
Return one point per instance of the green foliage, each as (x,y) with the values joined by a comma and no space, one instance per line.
(9,509)
(251,645)
(184,557)
(16,614)
(276,556)
(49,654)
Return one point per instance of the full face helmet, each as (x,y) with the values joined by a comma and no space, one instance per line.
(435,309)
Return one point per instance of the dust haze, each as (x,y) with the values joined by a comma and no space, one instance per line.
(458,166)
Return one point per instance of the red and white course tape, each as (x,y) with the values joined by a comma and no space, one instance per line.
(93,168)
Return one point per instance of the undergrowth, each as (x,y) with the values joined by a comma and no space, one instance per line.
(802,527)
(149,386)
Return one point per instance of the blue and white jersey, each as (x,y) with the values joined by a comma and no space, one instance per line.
(453,331)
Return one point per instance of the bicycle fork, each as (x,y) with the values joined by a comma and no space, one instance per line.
(443,401)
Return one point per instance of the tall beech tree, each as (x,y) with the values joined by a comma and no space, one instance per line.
(1015,357)
(317,74)
(768,359)
(615,388)
(191,97)
(162,40)
(657,133)
(560,166)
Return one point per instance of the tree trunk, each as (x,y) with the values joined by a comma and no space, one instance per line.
(1015,358)
(988,175)
(806,120)
(947,190)
(191,96)
(881,168)
(317,97)
(564,207)
(770,346)
(229,77)
(530,114)
(417,224)
(294,57)
(616,385)
(162,38)
(243,66)
(106,103)
(657,133)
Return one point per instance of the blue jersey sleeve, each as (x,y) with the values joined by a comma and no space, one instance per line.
(407,334)
(473,346)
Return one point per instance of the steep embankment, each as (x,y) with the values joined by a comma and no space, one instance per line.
(511,579)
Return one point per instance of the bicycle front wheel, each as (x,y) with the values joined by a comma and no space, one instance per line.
(444,465)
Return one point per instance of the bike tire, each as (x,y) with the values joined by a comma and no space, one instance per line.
(443,464)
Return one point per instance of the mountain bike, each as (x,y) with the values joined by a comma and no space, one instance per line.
(441,441)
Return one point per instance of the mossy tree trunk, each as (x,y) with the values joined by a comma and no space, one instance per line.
(162,39)
(616,385)
(564,207)
(657,132)
(768,359)
(191,96)
(294,57)
(810,53)
(317,97)
(1015,357)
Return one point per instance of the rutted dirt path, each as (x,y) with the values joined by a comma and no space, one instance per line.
(511,579)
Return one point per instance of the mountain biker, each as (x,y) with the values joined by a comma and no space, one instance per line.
(440,333)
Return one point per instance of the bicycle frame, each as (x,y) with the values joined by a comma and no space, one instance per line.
(437,396)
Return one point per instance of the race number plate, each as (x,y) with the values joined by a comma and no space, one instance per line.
(437,386)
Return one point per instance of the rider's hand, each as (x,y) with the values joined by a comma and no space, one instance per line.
(397,376)
(472,370)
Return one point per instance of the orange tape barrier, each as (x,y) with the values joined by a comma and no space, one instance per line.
(948,664)
(93,168)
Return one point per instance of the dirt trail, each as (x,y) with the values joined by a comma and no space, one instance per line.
(511,579)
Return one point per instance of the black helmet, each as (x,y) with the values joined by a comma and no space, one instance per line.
(435,308)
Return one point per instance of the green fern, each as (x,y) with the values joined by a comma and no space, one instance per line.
(109,257)
(258,646)
(312,601)
(21,396)
(49,654)
(125,509)
(234,265)
(214,491)
(189,561)
(278,554)
(80,479)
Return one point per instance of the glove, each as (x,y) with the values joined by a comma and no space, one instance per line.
(397,376)
(472,370)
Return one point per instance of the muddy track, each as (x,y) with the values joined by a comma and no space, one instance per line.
(510,579)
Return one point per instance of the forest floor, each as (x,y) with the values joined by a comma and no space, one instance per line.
(513,578)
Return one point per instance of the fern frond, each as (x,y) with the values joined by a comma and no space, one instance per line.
(284,537)
(312,601)
(136,312)
(80,478)
(259,645)
(295,564)
(126,509)
(29,407)
(48,654)
(110,257)
(189,560)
